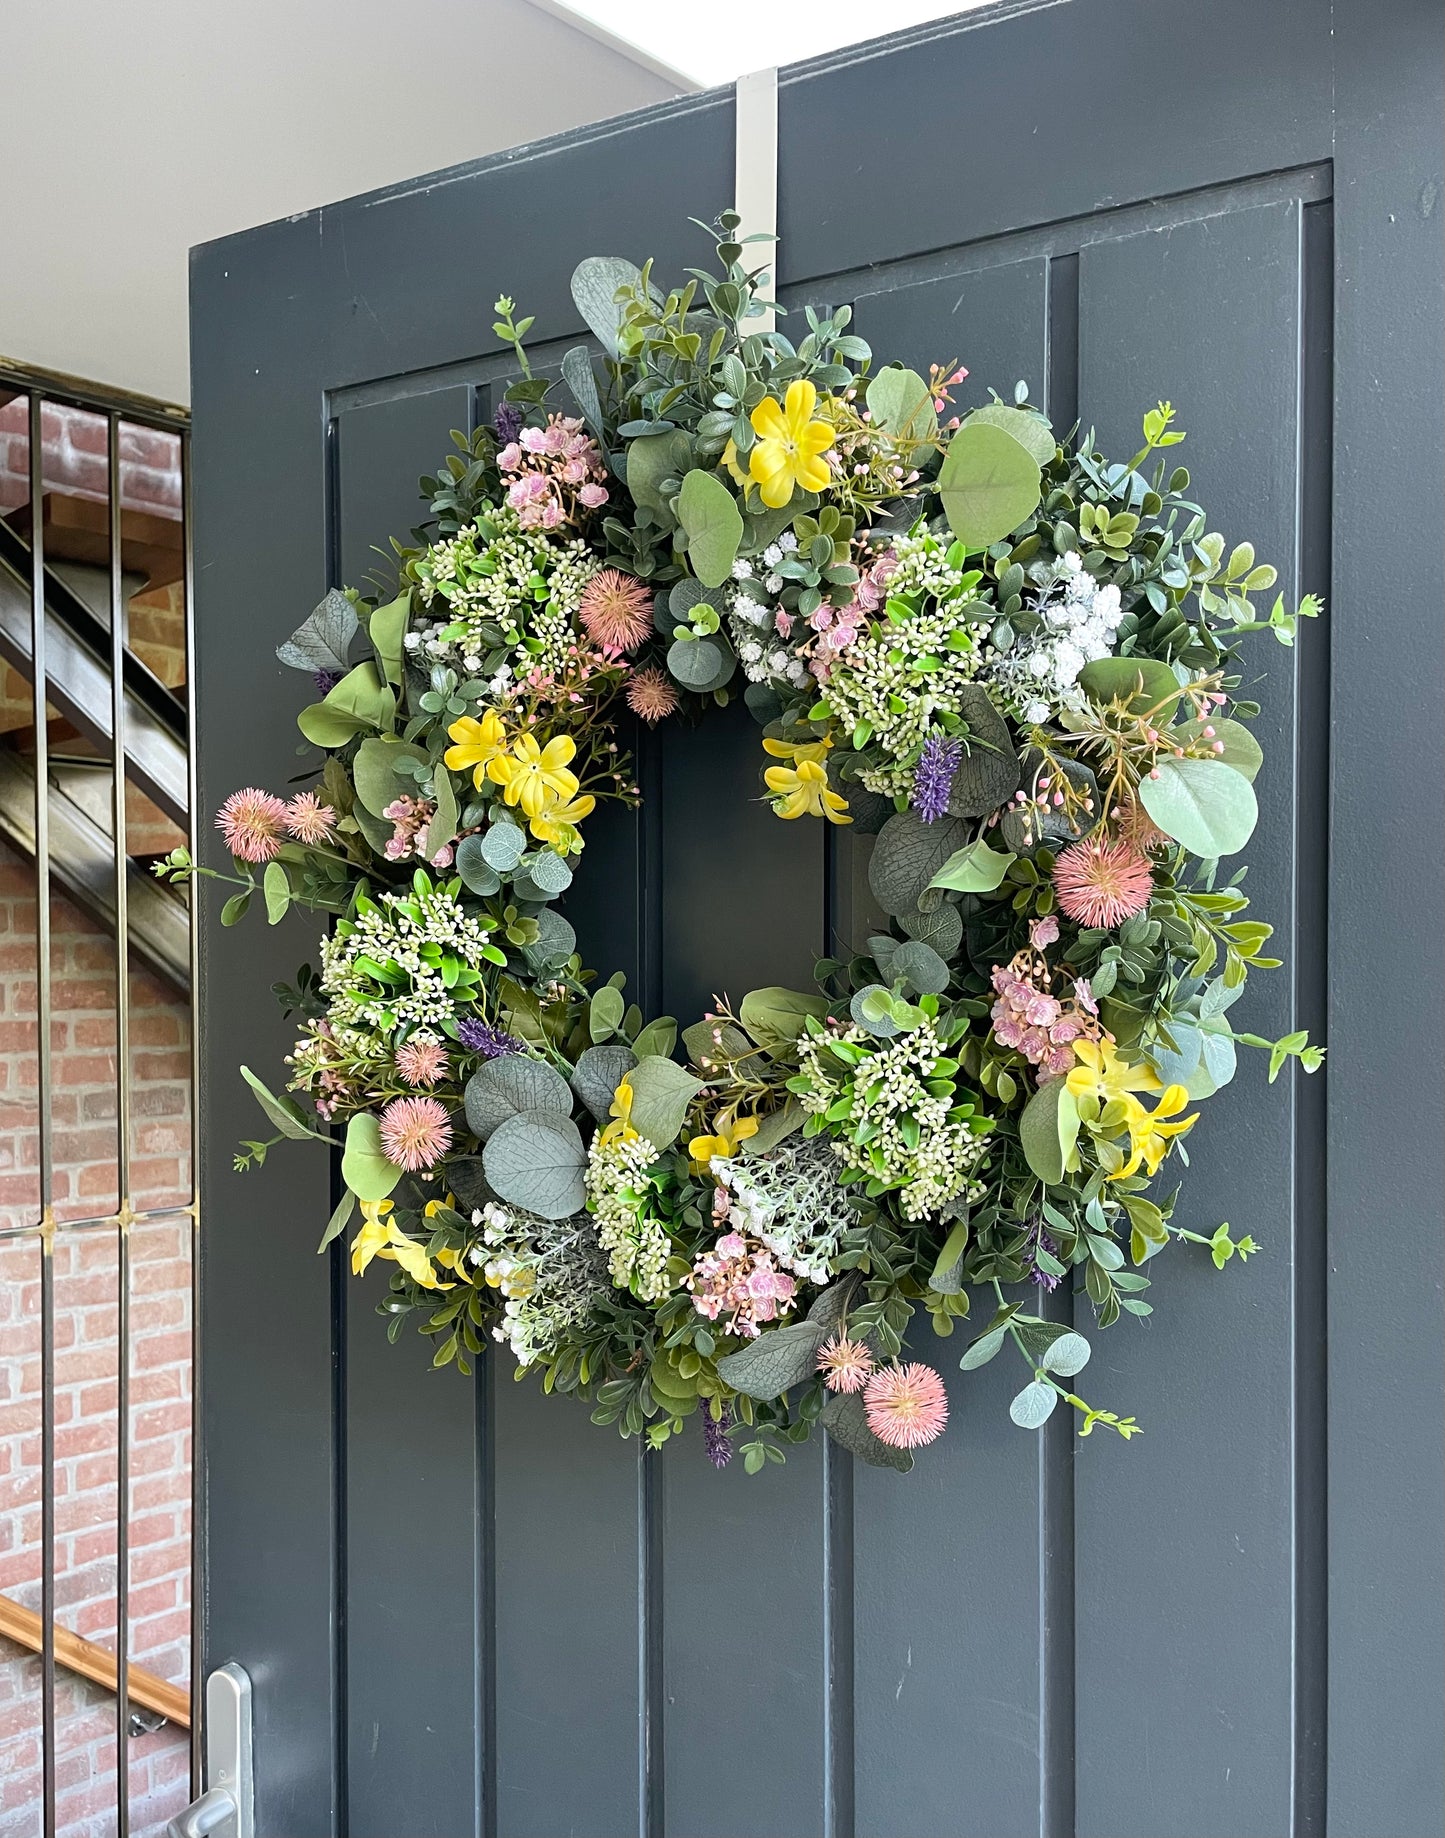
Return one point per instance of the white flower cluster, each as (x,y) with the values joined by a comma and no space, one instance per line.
(1038,675)
(791,1200)
(637,1247)
(518,582)
(766,654)
(550,1272)
(397,930)
(884,1090)
(921,566)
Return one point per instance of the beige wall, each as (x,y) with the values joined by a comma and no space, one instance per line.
(136,128)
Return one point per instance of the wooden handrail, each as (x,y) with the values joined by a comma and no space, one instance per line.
(23,1626)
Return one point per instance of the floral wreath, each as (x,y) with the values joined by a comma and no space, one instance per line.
(1007,658)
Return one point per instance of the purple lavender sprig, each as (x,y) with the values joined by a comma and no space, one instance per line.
(1040,1240)
(507,422)
(933,776)
(715,1437)
(485,1038)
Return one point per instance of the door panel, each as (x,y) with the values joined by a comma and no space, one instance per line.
(467,1609)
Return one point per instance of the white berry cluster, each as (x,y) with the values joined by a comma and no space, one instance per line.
(407,932)
(899,1132)
(1037,676)
(493,584)
(636,1244)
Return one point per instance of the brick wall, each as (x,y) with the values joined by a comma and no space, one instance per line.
(85,1264)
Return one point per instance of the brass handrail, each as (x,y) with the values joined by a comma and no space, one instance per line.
(23,1626)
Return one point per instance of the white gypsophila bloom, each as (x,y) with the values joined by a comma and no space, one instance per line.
(742,569)
(889,1086)
(393,930)
(637,1246)
(1037,677)
(787,542)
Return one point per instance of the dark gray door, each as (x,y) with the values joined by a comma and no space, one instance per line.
(468,1611)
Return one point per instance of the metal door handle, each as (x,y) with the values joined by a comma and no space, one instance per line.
(225,1808)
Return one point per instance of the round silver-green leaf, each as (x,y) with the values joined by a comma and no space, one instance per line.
(536,1161)
(1202,803)
(513,1083)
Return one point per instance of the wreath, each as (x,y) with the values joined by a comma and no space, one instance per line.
(1006,658)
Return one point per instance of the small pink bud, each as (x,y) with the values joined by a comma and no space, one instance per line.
(1155,773)
(1218,746)
(1209,733)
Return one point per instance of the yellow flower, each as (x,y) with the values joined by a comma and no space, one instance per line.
(557,821)
(739,473)
(1102,1074)
(788,451)
(802,791)
(530,774)
(1149,1139)
(796,750)
(381,1236)
(729,1130)
(478,743)
(620,1129)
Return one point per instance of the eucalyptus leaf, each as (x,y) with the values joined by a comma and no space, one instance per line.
(778,1358)
(907,855)
(596,282)
(555,942)
(598,1073)
(513,1083)
(942,928)
(387,629)
(1067,1355)
(364,1166)
(323,639)
(1034,1405)
(701,664)
(921,966)
(1048,1130)
(976,868)
(989,484)
(661,1093)
(650,460)
(989,772)
(503,846)
(846,1421)
(1031,431)
(605,1012)
(443,825)
(358,703)
(713,524)
(659,1036)
(375,776)
(900,402)
(577,375)
(477,873)
(1144,681)
(536,1161)
(776,1127)
(1241,749)
(774,1016)
(1202,803)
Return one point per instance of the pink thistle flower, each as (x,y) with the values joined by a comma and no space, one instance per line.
(906,1405)
(415,1133)
(650,695)
(253,823)
(845,1364)
(616,609)
(1102,883)
(308,819)
(421,1062)
(1133,825)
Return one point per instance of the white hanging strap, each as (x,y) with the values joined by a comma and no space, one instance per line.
(755,182)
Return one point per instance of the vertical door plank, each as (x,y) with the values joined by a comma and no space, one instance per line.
(947,1560)
(414,1454)
(1198,1512)
(265,1374)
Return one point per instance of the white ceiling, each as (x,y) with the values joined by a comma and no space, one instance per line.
(713,44)
(136,128)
